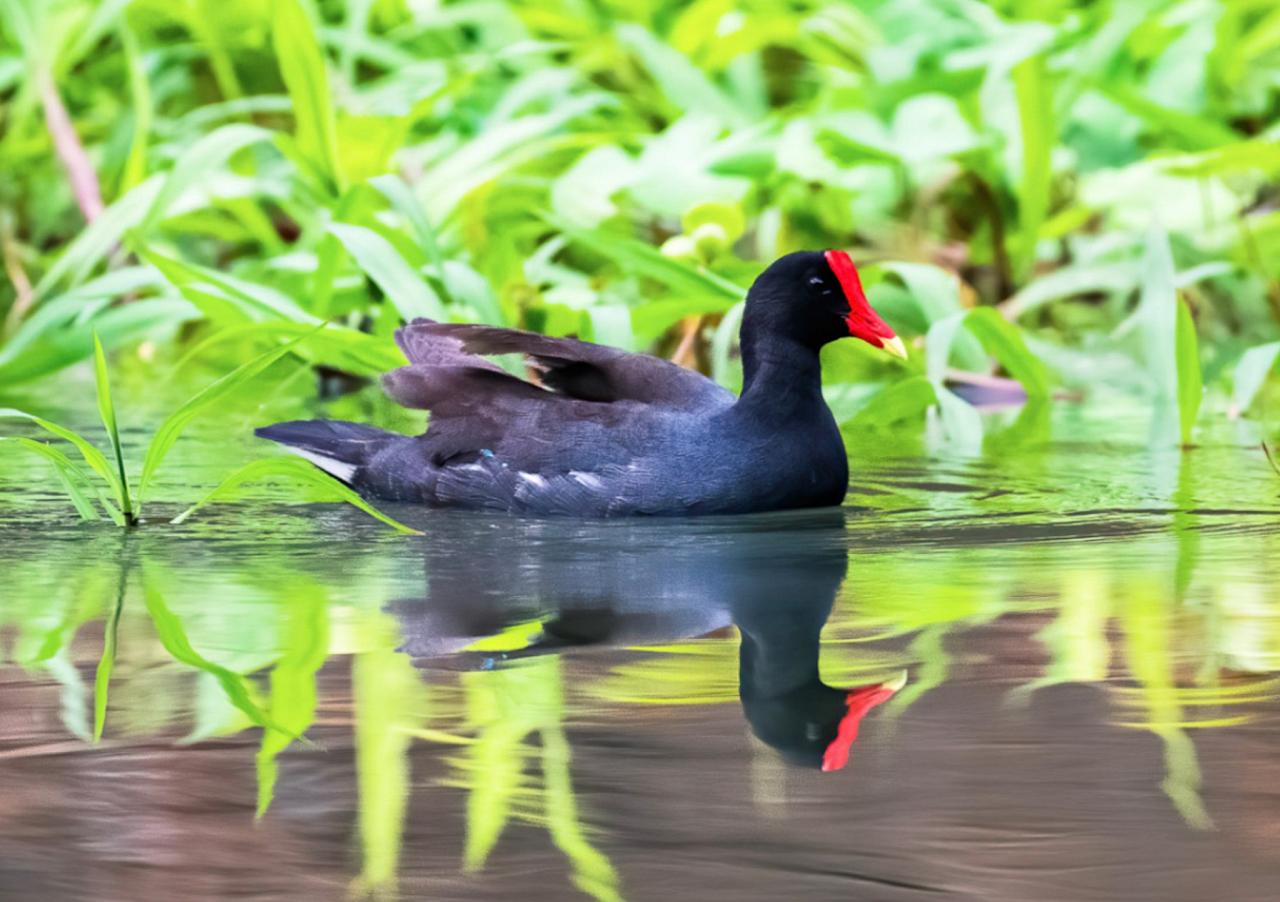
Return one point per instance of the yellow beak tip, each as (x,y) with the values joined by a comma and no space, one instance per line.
(896,683)
(895,347)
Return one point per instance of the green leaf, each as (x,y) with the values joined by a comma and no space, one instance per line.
(107,410)
(402,198)
(1251,373)
(335,346)
(1036,122)
(209,153)
(1004,342)
(92,244)
(960,420)
(408,292)
(683,83)
(173,637)
(92,456)
(74,480)
(298,471)
(906,399)
(173,425)
(647,261)
(1190,131)
(1190,382)
(106,664)
(303,68)
(66,338)
(305,640)
(135,165)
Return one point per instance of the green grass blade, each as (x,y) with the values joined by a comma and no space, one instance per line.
(1251,373)
(305,639)
(302,66)
(74,482)
(336,346)
(1004,342)
(1190,381)
(408,292)
(206,155)
(135,165)
(402,198)
(173,637)
(390,701)
(107,410)
(92,244)
(106,663)
(298,471)
(199,284)
(1035,115)
(177,421)
(906,399)
(96,460)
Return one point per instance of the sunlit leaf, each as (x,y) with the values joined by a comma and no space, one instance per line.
(1251,373)
(1190,383)
(169,430)
(292,702)
(107,411)
(74,481)
(173,636)
(92,456)
(408,292)
(302,65)
(1037,124)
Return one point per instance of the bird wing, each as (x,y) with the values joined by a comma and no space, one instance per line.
(565,366)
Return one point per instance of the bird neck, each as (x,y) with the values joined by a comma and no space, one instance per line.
(779,371)
(779,654)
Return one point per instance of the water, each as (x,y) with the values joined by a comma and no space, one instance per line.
(1090,631)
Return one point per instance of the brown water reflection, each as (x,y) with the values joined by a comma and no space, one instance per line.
(1092,637)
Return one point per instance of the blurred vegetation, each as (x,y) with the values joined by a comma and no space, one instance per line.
(1088,188)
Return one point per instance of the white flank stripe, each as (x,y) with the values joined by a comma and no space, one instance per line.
(330,465)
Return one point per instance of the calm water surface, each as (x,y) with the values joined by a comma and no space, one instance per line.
(297,703)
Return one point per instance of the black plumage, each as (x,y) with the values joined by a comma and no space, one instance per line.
(603,432)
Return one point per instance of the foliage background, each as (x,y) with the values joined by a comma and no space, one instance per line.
(1096,180)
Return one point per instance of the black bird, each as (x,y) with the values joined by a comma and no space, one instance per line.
(610,433)
(587,586)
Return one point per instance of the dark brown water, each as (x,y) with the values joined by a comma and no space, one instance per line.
(1090,631)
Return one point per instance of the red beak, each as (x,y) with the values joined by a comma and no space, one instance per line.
(859,701)
(862,320)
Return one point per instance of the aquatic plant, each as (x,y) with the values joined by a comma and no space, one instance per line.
(117,499)
(624,180)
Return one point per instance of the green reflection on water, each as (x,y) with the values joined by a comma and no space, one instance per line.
(1145,574)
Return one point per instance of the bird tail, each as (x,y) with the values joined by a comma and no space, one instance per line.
(338,448)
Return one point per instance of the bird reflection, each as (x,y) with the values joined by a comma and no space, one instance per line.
(625,583)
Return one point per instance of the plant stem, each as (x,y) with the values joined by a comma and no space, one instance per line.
(80,172)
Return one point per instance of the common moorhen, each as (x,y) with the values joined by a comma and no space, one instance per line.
(610,433)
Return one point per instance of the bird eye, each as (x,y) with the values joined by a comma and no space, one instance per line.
(815,280)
